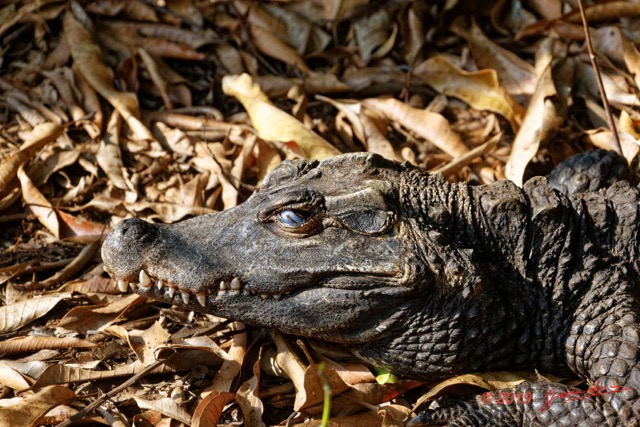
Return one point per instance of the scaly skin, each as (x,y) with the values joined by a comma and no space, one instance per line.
(426,278)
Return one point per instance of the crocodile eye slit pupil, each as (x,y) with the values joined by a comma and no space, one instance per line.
(291,218)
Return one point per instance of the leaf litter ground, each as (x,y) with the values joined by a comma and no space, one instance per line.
(168,110)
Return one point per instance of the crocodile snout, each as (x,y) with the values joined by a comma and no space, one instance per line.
(123,248)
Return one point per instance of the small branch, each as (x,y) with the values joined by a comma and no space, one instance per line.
(93,405)
(456,164)
(85,256)
(596,69)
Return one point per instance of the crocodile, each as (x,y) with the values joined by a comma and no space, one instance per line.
(426,278)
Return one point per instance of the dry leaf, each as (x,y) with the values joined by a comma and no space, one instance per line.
(15,316)
(39,137)
(34,343)
(86,53)
(486,380)
(272,123)
(544,115)
(11,378)
(209,410)
(98,317)
(165,406)
(29,410)
(231,367)
(109,156)
(146,343)
(517,76)
(248,401)
(480,89)
(429,125)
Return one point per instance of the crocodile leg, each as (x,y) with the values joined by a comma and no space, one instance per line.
(602,345)
(528,404)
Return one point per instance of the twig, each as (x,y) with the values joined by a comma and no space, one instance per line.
(93,405)
(12,217)
(456,164)
(86,255)
(596,69)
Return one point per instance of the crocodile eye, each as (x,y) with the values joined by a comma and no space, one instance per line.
(293,218)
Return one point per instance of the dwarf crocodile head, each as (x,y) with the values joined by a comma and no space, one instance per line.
(320,251)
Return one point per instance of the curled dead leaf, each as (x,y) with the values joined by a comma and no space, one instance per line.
(272,123)
(29,410)
(429,125)
(87,54)
(480,89)
(14,316)
(39,137)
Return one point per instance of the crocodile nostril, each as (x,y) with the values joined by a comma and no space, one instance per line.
(124,248)
(135,229)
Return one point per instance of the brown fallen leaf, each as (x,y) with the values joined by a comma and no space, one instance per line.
(166,406)
(247,398)
(364,127)
(600,12)
(394,415)
(29,410)
(86,255)
(480,89)
(31,344)
(227,373)
(10,377)
(156,77)
(616,89)
(269,35)
(629,139)
(544,116)
(39,137)
(86,53)
(517,76)
(272,123)
(429,125)
(81,230)
(272,46)
(91,286)
(181,361)
(109,155)
(209,410)
(88,95)
(487,380)
(372,31)
(135,10)
(145,344)
(15,316)
(93,318)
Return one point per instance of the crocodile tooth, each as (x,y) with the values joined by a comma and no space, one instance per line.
(202,298)
(223,285)
(104,267)
(159,285)
(133,285)
(185,297)
(264,296)
(122,285)
(277,297)
(171,291)
(145,281)
(236,285)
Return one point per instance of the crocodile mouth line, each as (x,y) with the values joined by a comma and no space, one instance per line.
(233,286)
